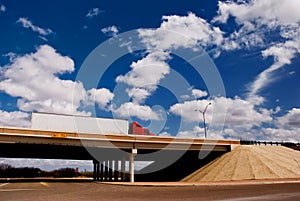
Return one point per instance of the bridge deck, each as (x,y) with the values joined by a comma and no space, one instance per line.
(22,135)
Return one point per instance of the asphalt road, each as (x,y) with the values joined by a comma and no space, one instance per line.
(82,191)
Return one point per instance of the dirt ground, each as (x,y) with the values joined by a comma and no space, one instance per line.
(247,162)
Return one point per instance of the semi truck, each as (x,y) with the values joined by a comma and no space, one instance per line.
(85,124)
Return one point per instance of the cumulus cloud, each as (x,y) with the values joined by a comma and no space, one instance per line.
(147,72)
(197,93)
(281,134)
(195,132)
(286,127)
(174,32)
(187,109)
(291,120)
(111,30)
(93,12)
(15,119)
(239,113)
(267,12)
(100,96)
(26,23)
(244,120)
(143,79)
(143,112)
(182,31)
(138,95)
(34,79)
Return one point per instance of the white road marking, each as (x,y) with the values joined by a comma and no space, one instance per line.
(17,189)
(44,184)
(3,184)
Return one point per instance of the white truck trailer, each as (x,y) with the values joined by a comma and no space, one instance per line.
(78,124)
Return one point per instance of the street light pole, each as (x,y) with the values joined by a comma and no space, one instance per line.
(204,123)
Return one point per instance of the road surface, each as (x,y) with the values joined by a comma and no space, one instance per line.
(79,191)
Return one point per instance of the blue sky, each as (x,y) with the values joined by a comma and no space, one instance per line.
(254,46)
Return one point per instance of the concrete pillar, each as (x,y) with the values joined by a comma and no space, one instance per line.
(110,170)
(116,170)
(95,169)
(123,169)
(101,171)
(106,171)
(131,164)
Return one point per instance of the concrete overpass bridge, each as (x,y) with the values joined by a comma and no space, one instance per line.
(173,158)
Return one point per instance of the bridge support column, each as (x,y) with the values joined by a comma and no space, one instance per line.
(131,164)
(116,170)
(123,169)
(106,171)
(96,170)
(101,171)
(110,171)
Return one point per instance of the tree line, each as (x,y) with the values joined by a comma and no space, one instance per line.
(8,171)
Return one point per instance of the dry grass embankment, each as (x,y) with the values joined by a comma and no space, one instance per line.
(251,162)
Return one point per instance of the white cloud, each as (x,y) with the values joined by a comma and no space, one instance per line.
(287,127)
(185,97)
(291,120)
(292,72)
(15,119)
(244,120)
(2,8)
(174,32)
(197,132)
(164,134)
(197,93)
(143,112)
(239,113)
(181,31)
(93,12)
(111,30)
(263,12)
(283,53)
(26,23)
(187,109)
(142,81)
(34,79)
(257,19)
(138,95)
(100,96)
(280,134)
(147,72)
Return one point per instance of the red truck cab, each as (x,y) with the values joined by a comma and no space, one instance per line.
(136,129)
